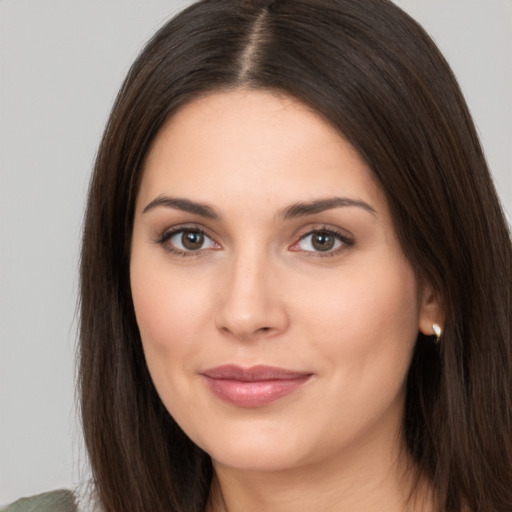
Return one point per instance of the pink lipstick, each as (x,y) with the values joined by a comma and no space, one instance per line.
(255,386)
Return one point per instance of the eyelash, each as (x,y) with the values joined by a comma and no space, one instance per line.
(345,242)
(166,236)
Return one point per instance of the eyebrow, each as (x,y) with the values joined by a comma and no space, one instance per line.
(293,211)
(309,208)
(185,205)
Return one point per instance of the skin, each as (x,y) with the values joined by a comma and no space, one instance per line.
(258,291)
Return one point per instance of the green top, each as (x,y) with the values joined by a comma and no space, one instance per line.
(55,501)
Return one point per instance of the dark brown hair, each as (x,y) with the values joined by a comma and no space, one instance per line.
(374,74)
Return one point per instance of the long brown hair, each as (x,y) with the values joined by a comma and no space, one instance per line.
(373,73)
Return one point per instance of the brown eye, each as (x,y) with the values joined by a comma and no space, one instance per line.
(192,240)
(323,241)
(185,241)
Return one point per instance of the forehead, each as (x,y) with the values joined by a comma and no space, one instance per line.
(250,142)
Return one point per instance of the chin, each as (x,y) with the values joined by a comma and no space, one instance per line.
(254,459)
(260,450)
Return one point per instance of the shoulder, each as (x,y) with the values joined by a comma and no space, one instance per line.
(55,501)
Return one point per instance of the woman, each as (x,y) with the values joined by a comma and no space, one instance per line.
(296,274)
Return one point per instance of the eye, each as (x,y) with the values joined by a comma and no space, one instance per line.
(322,241)
(183,241)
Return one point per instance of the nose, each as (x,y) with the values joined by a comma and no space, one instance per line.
(251,304)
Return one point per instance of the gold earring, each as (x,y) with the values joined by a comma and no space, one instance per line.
(437,332)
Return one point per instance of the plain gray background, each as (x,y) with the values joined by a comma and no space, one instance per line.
(61,63)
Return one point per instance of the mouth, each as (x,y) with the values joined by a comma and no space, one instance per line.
(255,386)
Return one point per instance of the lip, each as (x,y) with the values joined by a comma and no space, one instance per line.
(255,386)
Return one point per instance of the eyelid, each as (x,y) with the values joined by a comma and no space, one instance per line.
(165,236)
(346,240)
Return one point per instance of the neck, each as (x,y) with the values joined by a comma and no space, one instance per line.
(382,481)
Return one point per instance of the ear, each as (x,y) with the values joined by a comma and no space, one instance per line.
(431,310)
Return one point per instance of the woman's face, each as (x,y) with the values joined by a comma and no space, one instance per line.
(277,311)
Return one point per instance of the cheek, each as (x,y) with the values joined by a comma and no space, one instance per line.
(170,313)
(365,322)
(170,308)
(365,330)
(378,295)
